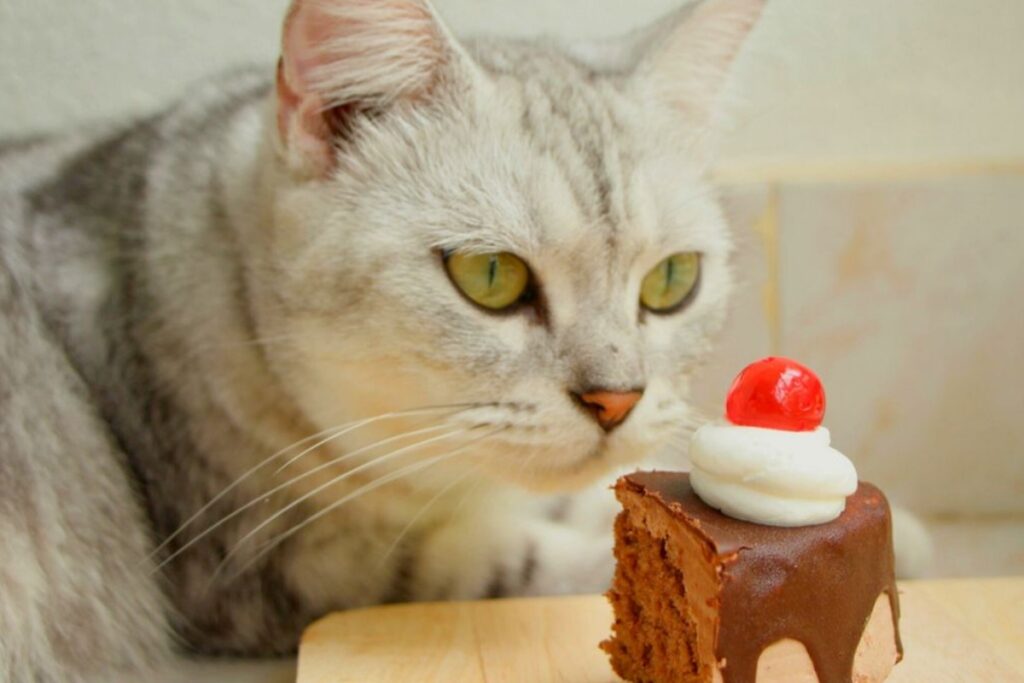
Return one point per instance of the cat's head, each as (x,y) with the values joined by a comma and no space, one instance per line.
(521,232)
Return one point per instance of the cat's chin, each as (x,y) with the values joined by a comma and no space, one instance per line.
(571,477)
(555,482)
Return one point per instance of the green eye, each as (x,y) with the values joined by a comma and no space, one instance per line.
(671,282)
(495,281)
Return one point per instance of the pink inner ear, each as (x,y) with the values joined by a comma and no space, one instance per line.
(692,67)
(306,30)
(310,43)
(301,125)
(342,58)
(308,34)
(287,101)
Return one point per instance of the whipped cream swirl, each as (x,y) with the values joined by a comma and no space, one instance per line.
(771,476)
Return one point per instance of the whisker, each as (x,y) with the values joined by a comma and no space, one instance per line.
(227,489)
(362,490)
(280,487)
(465,494)
(527,460)
(331,482)
(357,425)
(422,511)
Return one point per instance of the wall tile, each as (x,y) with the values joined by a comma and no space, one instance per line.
(908,299)
(978,547)
(752,213)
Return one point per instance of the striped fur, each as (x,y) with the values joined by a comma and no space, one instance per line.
(179,300)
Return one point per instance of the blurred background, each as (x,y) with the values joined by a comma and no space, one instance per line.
(875,181)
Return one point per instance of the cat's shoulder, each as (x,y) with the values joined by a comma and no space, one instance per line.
(87,168)
(200,106)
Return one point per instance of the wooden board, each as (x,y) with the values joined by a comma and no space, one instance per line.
(954,631)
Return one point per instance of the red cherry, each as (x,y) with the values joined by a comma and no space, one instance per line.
(777,393)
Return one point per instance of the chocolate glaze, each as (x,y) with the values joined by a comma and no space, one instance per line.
(814,584)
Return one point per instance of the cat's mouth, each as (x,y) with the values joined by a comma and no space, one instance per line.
(587,466)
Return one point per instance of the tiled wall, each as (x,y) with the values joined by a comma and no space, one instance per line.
(907,296)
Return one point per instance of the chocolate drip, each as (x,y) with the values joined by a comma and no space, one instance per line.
(816,584)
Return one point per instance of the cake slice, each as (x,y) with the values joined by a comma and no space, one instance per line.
(700,596)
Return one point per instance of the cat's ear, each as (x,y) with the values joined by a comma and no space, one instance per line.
(692,54)
(345,59)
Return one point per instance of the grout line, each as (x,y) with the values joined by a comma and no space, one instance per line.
(741,173)
(942,518)
(767,228)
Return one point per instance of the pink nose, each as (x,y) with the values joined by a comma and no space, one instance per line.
(610,408)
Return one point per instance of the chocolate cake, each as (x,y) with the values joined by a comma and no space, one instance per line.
(700,596)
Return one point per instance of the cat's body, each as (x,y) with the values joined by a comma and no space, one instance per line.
(186,296)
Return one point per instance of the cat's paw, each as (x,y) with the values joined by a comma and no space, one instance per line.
(511,557)
(572,562)
(912,544)
(591,511)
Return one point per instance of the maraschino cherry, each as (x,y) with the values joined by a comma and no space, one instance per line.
(776,393)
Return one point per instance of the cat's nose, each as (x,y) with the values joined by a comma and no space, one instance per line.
(609,408)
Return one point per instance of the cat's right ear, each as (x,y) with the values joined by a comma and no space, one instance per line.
(688,57)
(346,59)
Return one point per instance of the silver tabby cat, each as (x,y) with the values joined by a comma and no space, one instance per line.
(240,385)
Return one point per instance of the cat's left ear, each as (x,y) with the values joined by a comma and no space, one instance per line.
(692,56)
(346,59)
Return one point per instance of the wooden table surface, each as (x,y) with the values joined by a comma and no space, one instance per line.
(968,631)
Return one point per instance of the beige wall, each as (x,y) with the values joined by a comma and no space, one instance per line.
(824,79)
(906,297)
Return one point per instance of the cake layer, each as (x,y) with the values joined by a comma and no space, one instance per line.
(743,587)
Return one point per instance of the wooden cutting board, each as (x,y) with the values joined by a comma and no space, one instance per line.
(967,631)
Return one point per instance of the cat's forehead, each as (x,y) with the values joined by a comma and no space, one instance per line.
(563,106)
(591,170)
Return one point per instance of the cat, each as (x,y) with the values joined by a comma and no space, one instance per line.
(365,329)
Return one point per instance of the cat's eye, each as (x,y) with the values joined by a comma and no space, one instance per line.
(494,281)
(671,283)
